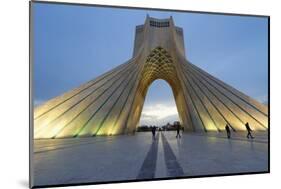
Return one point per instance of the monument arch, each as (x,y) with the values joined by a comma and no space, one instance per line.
(111,104)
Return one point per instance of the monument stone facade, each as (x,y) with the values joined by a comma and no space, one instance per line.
(112,103)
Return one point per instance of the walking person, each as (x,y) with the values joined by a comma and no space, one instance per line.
(153,129)
(249,130)
(152,132)
(227,129)
(178,131)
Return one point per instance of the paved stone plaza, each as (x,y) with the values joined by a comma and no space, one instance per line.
(131,157)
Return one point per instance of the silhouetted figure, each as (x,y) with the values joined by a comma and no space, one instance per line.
(227,129)
(178,131)
(249,130)
(153,129)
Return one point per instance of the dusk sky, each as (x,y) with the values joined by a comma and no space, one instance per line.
(75,44)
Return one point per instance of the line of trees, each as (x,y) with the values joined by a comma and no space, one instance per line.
(167,127)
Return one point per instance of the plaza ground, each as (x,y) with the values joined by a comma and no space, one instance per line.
(131,157)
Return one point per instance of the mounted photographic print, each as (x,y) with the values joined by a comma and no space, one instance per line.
(122,94)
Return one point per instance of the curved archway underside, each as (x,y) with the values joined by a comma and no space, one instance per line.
(112,103)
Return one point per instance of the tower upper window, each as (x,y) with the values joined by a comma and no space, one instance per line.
(159,24)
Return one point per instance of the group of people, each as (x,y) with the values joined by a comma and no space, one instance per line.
(227,129)
(178,128)
(249,130)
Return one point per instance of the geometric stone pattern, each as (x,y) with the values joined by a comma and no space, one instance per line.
(111,104)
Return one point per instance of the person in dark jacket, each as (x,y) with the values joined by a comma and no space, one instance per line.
(249,130)
(178,131)
(153,129)
(227,129)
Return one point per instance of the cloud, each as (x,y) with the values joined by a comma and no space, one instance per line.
(159,114)
(148,117)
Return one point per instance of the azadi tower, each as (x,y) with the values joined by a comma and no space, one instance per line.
(112,103)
